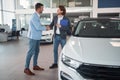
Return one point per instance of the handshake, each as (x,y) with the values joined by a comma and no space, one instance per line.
(57,25)
(47,28)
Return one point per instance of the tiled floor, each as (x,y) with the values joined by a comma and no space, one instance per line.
(12,59)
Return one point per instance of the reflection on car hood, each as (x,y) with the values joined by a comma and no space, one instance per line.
(105,51)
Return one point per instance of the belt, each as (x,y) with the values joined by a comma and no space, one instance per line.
(58,34)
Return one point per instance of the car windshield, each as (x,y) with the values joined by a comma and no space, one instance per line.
(98,28)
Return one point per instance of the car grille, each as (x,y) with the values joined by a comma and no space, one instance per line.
(42,40)
(99,72)
(43,35)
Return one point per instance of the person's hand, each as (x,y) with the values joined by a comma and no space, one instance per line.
(47,28)
(58,25)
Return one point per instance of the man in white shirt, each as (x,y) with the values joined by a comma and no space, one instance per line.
(61,26)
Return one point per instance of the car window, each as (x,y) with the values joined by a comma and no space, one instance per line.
(98,28)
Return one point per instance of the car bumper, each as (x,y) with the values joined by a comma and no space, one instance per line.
(67,73)
(45,39)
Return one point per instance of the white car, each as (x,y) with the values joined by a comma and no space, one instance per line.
(93,52)
(47,36)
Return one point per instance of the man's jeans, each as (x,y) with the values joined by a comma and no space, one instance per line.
(33,51)
(58,40)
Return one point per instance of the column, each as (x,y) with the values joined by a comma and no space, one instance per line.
(51,16)
(91,14)
(2,16)
(95,8)
(51,3)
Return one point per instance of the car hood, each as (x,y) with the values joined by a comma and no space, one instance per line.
(104,51)
(47,32)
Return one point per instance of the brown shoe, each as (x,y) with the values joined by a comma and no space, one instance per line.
(37,68)
(28,72)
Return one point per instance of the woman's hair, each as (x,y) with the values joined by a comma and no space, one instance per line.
(62,8)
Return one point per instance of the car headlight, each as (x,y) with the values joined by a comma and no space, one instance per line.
(70,62)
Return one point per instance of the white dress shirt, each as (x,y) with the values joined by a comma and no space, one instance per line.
(58,22)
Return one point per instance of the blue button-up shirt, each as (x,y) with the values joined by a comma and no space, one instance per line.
(35,27)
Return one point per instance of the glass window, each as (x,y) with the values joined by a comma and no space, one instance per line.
(7,17)
(82,3)
(67,3)
(71,3)
(0,13)
(45,19)
(7,11)
(23,20)
(0,4)
(9,6)
(29,4)
(64,2)
(55,3)
(23,4)
(45,2)
(27,19)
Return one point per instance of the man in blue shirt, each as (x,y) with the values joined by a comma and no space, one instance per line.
(34,35)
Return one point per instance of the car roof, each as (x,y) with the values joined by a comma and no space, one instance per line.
(88,19)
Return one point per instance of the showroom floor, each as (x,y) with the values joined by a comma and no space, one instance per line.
(12,59)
